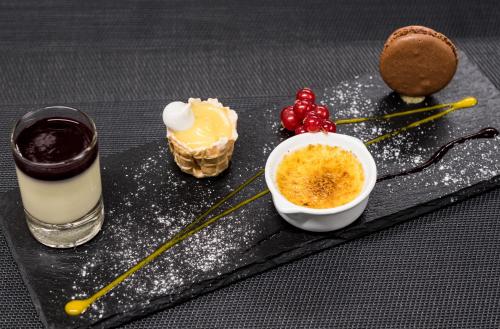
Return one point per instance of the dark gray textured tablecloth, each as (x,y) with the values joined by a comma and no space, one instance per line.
(439,270)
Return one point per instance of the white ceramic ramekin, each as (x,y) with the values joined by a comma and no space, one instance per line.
(321,220)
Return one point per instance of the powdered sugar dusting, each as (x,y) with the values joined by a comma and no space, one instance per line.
(134,232)
(153,200)
(364,97)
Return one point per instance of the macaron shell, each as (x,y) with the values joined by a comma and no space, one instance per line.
(418,61)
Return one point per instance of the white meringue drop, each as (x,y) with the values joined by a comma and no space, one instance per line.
(178,116)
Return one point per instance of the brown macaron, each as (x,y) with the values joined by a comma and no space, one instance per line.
(418,61)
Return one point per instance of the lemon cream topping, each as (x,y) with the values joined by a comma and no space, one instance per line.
(211,123)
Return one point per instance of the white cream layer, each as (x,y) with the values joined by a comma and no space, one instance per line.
(62,201)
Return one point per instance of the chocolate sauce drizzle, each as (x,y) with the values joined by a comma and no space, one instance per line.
(488,132)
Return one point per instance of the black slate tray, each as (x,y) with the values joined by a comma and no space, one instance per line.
(148,199)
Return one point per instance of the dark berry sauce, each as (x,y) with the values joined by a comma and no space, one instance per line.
(49,149)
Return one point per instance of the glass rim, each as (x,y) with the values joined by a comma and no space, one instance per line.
(73,159)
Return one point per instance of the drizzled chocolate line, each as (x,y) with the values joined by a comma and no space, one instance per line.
(488,132)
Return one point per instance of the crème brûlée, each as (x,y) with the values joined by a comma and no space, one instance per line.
(204,144)
(320,176)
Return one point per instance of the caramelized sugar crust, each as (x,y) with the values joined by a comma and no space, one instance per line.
(320,176)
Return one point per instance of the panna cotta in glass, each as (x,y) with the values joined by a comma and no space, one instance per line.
(57,163)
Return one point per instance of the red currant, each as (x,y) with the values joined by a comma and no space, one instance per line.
(322,112)
(300,130)
(305,94)
(312,114)
(301,108)
(286,109)
(329,126)
(288,118)
(312,123)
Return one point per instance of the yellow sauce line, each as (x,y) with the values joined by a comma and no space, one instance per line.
(466,102)
(78,306)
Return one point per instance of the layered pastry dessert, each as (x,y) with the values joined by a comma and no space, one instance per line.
(320,176)
(58,172)
(417,61)
(201,135)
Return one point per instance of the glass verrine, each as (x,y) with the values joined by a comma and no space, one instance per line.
(57,163)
